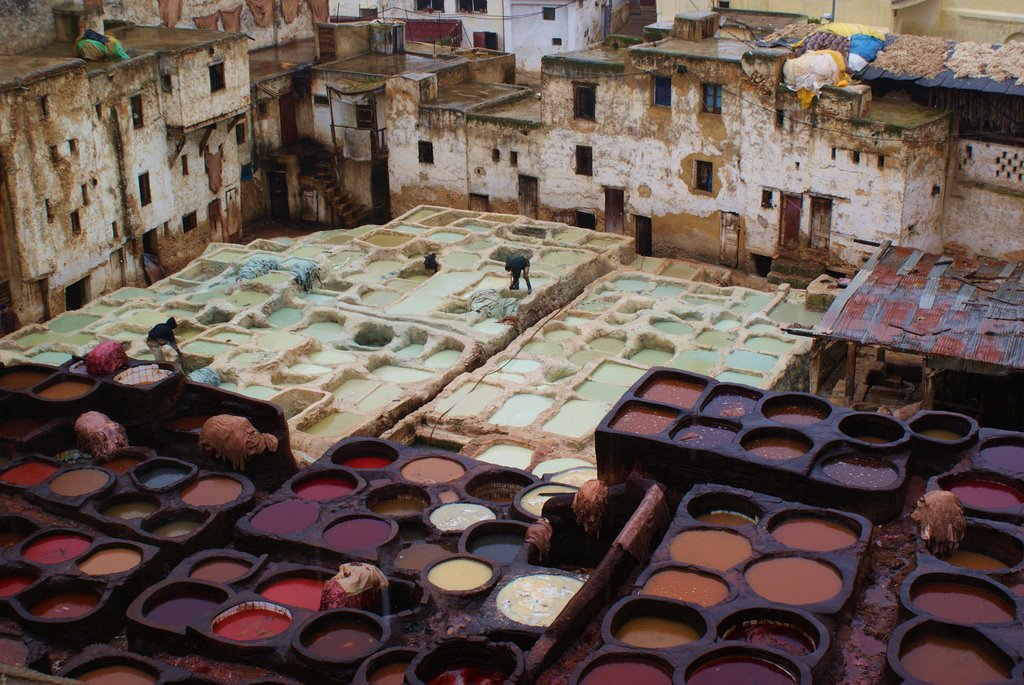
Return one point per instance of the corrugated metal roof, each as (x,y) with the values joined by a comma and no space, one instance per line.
(968,312)
(946,79)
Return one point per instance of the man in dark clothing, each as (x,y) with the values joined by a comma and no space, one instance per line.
(9,321)
(519,265)
(430,262)
(160,335)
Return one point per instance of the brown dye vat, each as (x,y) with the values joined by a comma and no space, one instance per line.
(187,424)
(976,561)
(861,472)
(796,413)
(78,482)
(643,420)
(961,603)
(391,674)
(65,390)
(655,632)
(399,503)
(418,557)
(940,434)
(725,518)
(776,446)
(953,660)
(793,580)
(13,652)
(110,560)
(432,470)
(211,491)
(343,636)
(775,634)
(740,668)
(717,549)
(130,509)
(19,380)
(17,428)
(704,436)
(616,671)
(65,605)
(220,570)
(730,405)
(874,429)
(687,586)
(118,674)
(674,391)
(121,465)
(814,534)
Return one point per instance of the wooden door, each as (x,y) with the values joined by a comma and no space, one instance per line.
(278,186)
(528,196)
(479,203)
(821,223)
(614,199)
(233,223)
(644,239)
(789,230)
(289,127)
(729,244)
(380,192)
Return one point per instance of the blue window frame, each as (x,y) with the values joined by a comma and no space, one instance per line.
(662,91)
(712,98)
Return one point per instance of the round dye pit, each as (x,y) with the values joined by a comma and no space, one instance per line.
(776,445)
(982,493)
(460,574)
(187,424)
(740,668)
(28,473)
(705,436)
(774,633)
(19,379)
(19,427)
(615,671)
(497,486)
(211,491)
(976,561)
(873,429)
(131,509)
(501,546)
(325,486)
(954,659)
(251,622)
(773,579)
(161,476)
(943,434)
(655,632)
(459,516)
(813,534)
(795,411)
(432,470)
(176,528)
(79,482)
(390,674)
(179,607)
(398,501)
(1004,455)
(726,518)
(358,532)
(110,560)
(367,462)
(687,586)
(295,590)
(56,549)
(537,599)
(731,405)
(861,472)
(532,500)
(121,465)
(643,420)
(220,570)
(342,639)
(960,602)
(14,583)
(716,549)
(289,516)
(678,392)
(117,674)
(63,606)
(65,390)
(417,557)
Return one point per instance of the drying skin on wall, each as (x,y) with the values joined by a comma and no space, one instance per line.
(289,10)
(170,12)
(213,169)
(209,22)
(231,20)
(318,8)
(262,12)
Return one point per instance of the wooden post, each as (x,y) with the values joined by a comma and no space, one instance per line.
(817,350)
(851,372)
(928,387)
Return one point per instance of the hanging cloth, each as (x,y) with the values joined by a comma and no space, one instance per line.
(170,12)
(208,23)
(231,20)
(289,10)
(319,10)
(213,169)
(262,12)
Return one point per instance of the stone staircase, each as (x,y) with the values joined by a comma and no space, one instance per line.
(348,212)
(798,274)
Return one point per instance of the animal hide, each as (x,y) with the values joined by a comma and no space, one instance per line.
(589,505)
(262,12)
(319,9)
(289,10)
(231,20)
(170,12)
(941,523)
(98,435)
(208,23)
(233,439)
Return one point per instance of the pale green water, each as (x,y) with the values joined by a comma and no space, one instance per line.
(206,347)
(400,374)
(540,347)
(402,284)
(284,317)
(584,357)
(759,328)
(468,400)
(318,298)
(411,230)
(144,318)
(309,369)
(593,305)
(178,313)
(490,327)
(520,410)
(510,456)
(460,259)
(446,237)
(378,398)
(273,277)
(354,388)
(54,358)
(383,266)
(602,243)
(443,359)
(680,270)
(576,320)
(279,341)
(346,258)
(558,258)
(744,378)
(651,357)
(716,338)
(616,374)
(226,256)
(246,359)
(600,392)
(231,337)
(96,308)
(244,298)
(480,245)
(514,378)
(570,236)
(606,344)
(476,228)
(416,304)
(766,344)
(753,361)
(331,357)
(379,297)
(32,339)
(125,294)
(790,313)
(410,351)
(751,303)
(726,324)
(698,361)
(421,214)
(577,418)
(667,291)
(673,327)
(556,335)
(309,252)
(703,301)
(260,392)
(71,322)
(629,285)
(333,425)
(233,387)
(446,283)
(520,366)
(575,477)
(387,240)
(501,282)
(325,330)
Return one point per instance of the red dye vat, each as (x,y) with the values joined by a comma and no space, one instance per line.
(181,609)
(673,391)
(643,420)
(344,641)
(66,605)
(250,625)
(55,549)
(187,424)
(12,585)
(295,591)
(469,675)
(619,672)
(286,517)
(29,473)
(325,487)
(732,670)
(367,462)
(357,533)
(962,603)
(987,494)
(771,634)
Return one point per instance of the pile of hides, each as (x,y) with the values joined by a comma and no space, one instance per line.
(233,439)
(107,357)
(304,273)
(205,375)
(256,267)
(99,435)
(355,586)
(491,304)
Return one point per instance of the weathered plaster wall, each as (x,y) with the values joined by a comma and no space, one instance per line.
(190,102)
(28,24)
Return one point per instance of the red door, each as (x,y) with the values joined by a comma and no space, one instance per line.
(289,128)
(789,234)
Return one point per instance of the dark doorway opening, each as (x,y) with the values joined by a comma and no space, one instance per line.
(644,238)
(277,184)
(76,294)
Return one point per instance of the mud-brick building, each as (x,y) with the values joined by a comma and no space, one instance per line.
(690,144)
(101,162)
